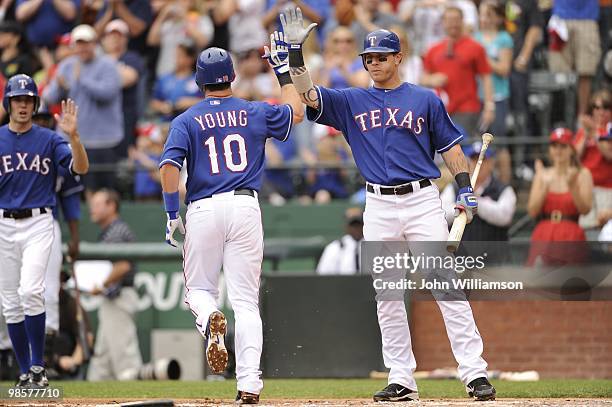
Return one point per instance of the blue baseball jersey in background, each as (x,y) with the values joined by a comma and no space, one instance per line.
(28,167)
(393,134)
(223,141)
(68,188)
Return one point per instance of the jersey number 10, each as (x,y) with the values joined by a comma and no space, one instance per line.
(227,153)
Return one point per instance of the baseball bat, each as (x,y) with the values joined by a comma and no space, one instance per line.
(454,238)
(79,314)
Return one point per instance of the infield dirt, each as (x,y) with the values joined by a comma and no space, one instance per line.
(329,403)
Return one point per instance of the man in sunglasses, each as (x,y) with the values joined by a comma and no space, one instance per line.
(394,130)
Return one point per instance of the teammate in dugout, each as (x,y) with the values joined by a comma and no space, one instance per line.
(29,160)
(68,190)
(222,139)
(394,129)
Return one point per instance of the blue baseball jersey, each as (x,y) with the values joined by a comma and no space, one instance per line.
(223,141)
(393,134)
(68,188)
(28,167)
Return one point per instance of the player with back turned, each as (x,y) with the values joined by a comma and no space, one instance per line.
(394,129)
(29,160)
(222,140)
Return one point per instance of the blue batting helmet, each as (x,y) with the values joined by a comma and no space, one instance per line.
(381,41)
(214,66)
(20,85)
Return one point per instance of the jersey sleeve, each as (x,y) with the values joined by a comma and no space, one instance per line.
(444,134)
(62,154)
(72,184)
(279,120)
(332,108)
(176,147)
(71,207)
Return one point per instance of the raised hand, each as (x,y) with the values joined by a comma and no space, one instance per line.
(67,122)
(293,27)
(277,55)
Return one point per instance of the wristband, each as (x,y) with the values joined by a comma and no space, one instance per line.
(296,58)
(284,79)
(171,203)
(463,180)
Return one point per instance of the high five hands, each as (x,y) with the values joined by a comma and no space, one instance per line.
(293,27)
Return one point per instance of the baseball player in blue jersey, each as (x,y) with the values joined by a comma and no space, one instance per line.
(222,140)
(29,158)
(394,129)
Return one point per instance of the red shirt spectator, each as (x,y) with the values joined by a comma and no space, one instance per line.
(451,67)
(461,63)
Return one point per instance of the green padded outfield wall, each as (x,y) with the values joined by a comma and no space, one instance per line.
(148,220)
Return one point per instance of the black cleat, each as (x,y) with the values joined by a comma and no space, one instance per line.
(481,389)
(396,392)
(216,353)
(244,397)
(39,377)
(24,381)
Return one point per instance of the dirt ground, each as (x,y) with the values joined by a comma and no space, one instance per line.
(313,403)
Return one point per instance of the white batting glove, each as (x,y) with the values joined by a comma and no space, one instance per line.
(171,226)
(293,27)
(277,55)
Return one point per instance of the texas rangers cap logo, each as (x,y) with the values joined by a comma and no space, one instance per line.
(23,83)
(372,39)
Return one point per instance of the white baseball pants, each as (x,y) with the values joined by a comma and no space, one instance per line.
(225,231)
(25,245)
(52,280)
(419,217)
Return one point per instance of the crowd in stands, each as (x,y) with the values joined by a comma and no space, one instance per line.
(129,64)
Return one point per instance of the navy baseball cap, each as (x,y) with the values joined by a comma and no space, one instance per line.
(473,149)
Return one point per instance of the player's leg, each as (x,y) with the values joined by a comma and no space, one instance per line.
(425,222)
(242,267)
(202,260)
(38,232)
(10,264)
(381,223)
(9,369)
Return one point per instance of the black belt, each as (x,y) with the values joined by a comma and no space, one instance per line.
(21,213)
(248,192)
(557,216)
(242,191)
(398,190)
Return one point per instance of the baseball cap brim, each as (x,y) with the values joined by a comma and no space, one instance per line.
(378,50)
